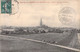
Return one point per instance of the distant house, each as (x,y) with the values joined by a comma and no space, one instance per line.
(7,31)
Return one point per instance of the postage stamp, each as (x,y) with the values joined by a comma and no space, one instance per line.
(67,15)
(6,6)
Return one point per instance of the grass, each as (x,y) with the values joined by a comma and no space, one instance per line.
(28,46)
(9,45)
(55,38)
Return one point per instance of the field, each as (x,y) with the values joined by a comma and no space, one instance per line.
(57,38)
(28,46)
(14,45)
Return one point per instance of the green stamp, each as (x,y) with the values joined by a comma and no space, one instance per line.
(6,6)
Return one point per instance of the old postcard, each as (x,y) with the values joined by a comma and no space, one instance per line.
(39,26)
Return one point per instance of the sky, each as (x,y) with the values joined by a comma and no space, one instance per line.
(29,14)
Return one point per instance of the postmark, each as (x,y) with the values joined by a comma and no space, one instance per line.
(6,6)
(15,7)
(67,15)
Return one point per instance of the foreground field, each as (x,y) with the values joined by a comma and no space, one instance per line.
(65,39)
(12,45)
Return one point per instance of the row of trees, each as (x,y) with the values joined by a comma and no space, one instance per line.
(30,31)
(34,30)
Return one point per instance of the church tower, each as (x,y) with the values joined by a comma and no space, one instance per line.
(41,23)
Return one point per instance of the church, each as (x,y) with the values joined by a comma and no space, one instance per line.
(42,25)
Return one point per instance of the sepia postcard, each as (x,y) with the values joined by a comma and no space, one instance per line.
(39,26)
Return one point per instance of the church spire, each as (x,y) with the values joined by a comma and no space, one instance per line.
(41,23)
